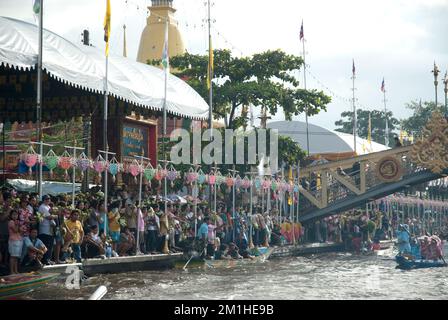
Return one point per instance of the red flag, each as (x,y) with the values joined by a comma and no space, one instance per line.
(301,32)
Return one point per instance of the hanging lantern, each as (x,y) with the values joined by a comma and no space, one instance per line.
(245,183)
(99,165)
(191,176)
(83,163)
(211,179)
(114,167)
(238,181)
(65,162)
(266,183)
(257,183)
(201,177)
(134,169)
(51,161)
(30,158)
(220,179)
(149,173)
(171,175)
(274,185)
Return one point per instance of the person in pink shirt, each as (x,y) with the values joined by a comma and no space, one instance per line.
(15,242)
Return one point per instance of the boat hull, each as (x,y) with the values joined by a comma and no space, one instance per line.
(15,285)
(406,264)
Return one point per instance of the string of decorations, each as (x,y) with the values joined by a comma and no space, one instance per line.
(100,165)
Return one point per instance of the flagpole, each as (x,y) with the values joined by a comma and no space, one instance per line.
(106,100)
(354,109)
(39,95)
(304,83)
(386,134)
(164,112)
(210,72)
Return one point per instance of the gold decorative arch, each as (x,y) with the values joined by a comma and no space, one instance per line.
(432,151)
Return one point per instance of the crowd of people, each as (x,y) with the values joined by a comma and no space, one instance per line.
(36,232)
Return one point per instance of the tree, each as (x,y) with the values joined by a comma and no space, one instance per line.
(421,113)
(378,124)
(264,80)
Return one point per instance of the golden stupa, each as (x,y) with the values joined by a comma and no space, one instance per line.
(153,36)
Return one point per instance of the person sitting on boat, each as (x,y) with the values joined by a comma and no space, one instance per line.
(234,251)
(434,250)
(222,253)
(415,249)
(403,237)
(32,253)
(424,247)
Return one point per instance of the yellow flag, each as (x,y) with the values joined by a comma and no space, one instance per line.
(107,27)
(210,65)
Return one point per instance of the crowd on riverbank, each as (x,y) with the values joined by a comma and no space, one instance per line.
(34,233)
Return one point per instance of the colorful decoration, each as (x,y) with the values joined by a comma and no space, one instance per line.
(51,161)
(191,176)
(171,175)
(65,162)
(245,183)
(258,183)
(30,158)
(274,185)
(83,163)
(266,183)
(201,177)
(134,169)
(149,173)
(114,167)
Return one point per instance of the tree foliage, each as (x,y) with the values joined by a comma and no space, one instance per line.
(421,113)
(378,124)
(262,80)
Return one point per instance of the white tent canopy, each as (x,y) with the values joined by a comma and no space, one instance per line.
(84,67)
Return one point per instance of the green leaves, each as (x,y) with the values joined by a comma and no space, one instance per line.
(263,80)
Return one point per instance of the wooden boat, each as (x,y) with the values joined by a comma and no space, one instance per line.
(261,254)
(406,263)
(15,285)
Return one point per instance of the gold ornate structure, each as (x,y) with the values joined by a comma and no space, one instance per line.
(432,151)
(388,169)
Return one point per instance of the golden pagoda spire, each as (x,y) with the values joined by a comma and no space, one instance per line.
(153,35)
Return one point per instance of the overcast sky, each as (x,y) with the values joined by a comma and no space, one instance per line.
(395,39)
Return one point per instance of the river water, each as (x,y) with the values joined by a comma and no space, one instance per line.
(326,276)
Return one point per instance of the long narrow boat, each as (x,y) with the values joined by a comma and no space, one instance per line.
(261,254)
(15,285)
(406,264)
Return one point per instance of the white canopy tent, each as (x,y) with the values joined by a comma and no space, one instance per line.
(84,67)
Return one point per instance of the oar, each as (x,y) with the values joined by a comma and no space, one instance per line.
(185,266)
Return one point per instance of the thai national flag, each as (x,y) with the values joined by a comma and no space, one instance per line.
(301,32)
(383,87)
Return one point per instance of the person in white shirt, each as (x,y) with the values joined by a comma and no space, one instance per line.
(46,234)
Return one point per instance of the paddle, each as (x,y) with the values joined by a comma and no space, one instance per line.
(185,266)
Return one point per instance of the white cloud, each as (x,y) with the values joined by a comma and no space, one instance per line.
(397,39)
